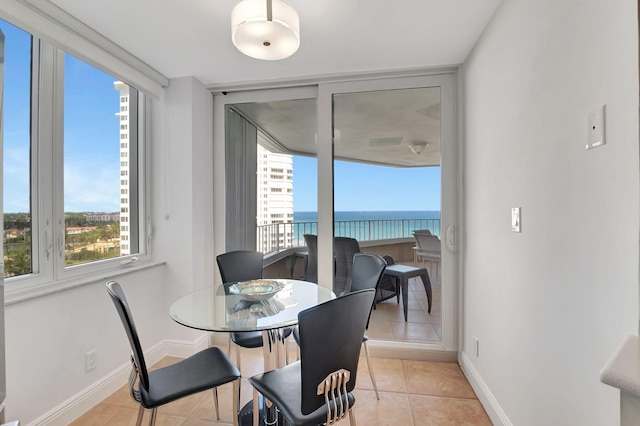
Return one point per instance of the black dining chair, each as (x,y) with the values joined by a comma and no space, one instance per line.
(368,269)
(318,389)
(344,248)
(205,370)
(367,272)
(311,262)
(243,265)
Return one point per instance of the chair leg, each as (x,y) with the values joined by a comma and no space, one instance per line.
(236,401)
(140,415)
(256,407)
(370,367)
(239,369)
(215,402)
(152,420)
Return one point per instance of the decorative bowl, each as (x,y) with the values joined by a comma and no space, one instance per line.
(256,289)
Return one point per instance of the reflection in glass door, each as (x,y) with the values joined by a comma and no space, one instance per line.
(393,190)
(386,187)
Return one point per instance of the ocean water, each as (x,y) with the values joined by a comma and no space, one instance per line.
(370,225)
(369,215)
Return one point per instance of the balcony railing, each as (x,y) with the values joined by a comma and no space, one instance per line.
(280,236)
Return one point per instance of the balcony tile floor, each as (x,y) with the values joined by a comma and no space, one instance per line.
(387,320)
(412,393)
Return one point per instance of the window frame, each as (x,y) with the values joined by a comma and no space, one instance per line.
(49,272)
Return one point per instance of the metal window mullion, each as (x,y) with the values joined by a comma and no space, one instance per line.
(56,113)
(42,159)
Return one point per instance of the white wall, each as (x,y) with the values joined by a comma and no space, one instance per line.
(47,338)
(182,187)
(550,305)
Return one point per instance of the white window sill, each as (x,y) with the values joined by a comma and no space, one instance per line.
(21,294)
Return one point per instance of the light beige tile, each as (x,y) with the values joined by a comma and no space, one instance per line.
(206,411)
(442,411)
(183,406)
(98,415)
(393,409)
(389,374)
(122,398)
(381,331)
(414,332)
(436,379)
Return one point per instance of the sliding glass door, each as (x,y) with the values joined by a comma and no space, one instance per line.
(374,160)
(389,147)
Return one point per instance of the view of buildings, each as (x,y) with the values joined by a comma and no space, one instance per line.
(275,199)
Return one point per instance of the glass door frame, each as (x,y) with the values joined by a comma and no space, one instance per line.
(449,191)
(450,180)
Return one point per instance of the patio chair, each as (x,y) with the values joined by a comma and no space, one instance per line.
(344,248)
(318,389)
(205,370)
(311,261)
(389,286)
(427,249)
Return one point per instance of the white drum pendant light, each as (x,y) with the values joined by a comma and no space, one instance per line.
(265,29)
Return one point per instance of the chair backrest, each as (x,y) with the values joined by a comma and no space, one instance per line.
(120,301)
(422,231)
(330,339)
(240,265)
(344,248)
(311,264)
(428,243)
(367,271)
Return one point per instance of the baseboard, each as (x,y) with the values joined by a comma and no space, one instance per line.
(83,401)
(486,398)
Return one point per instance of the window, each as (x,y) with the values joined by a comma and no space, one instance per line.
(18,250)
(92,99)
(62,219)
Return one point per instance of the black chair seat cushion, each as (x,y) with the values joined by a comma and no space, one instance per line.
(202,371)
(247,339)
(253,339)
(283,389)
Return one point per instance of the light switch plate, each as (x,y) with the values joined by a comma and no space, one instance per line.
(515,219)
(595,128)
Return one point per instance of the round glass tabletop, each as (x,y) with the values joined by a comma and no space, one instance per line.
(248,306)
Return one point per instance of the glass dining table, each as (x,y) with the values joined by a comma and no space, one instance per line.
(267,305)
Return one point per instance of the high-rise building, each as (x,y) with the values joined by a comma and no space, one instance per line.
(124,166)
(275,199)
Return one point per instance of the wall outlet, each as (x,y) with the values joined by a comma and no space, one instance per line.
(595,127)
(90,360)
(476,344)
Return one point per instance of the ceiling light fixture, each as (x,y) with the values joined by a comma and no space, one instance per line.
(265,29)
(417,147)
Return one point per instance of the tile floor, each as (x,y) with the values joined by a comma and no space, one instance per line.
(412,393)
(387,320)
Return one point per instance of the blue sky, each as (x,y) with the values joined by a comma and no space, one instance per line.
(92,149)
(91,131)
(363,187)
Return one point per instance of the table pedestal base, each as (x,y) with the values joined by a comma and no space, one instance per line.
(245,418)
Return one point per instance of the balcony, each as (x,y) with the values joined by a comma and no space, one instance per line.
(281,241)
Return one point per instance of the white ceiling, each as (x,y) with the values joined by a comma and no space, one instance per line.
(193,37)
